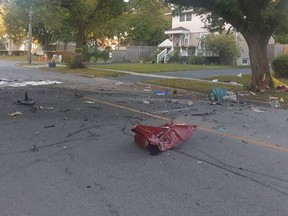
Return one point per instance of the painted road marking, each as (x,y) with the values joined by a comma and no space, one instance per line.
(209,130)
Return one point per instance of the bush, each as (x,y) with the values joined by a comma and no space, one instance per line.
(280,66)
(196,60)
(105,55)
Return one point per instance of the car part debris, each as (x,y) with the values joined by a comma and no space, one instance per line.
(161,93)
(162,138)
(218,94)
(26,101)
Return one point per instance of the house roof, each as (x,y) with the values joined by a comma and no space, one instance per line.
(178,30)
(166,43)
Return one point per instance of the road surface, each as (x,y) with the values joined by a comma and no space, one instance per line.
(74,154)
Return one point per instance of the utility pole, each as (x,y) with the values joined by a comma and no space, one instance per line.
(30,37)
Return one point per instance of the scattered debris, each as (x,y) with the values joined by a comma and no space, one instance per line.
(77,96)
(189,103)
(26,101)
(230,96)
(275,104)
(239,75)
(162,138)
(205,113)
(49,126)
(146,102)
(221,129)
(175,110)
(89,102)
(35,149)
(255,109)
(234,83)
(118,83)
(45,108)
(161,93)
(279,86)
(218,94)
(252,93)
(148,89)
(215,80)
(13,114)
(20,83)
(273,98)
(95,107)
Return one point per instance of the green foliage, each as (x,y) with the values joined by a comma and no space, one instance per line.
(196,60)
(105,55)
(175,58)
(145,22)
(225,45)
(280,66)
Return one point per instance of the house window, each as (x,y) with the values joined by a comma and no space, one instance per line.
(185,17)
(188,16)
(245,61)
(182,18)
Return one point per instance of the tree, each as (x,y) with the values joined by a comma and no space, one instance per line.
(225,45)
(145,22)
(257,21)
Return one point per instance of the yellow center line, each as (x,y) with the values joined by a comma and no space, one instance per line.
(209,130)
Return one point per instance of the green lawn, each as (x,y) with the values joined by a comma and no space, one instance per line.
(23,58)
(158,68)
(85,71)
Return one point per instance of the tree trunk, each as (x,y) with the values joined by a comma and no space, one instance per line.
(261,77)
(80,39)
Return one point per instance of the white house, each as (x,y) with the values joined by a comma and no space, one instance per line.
(187,30)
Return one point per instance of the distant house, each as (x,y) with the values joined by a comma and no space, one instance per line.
(187,31)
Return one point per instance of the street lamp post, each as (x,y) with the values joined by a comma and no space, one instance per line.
(30,37)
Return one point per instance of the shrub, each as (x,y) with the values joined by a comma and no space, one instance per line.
(280,66)
(105,55)
(196,60)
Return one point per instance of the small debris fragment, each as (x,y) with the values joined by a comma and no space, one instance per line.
(221,129)
(49,126)
(13,114)
(89,102)
(275,104)
(146,102)
(204,114)
(189,103)
(161,93)
(35,149)
(273,98)
(255,109)
(239,75)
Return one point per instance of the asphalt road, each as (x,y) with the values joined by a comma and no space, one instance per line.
(75,154)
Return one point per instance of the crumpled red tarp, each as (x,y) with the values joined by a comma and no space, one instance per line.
(163,137)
